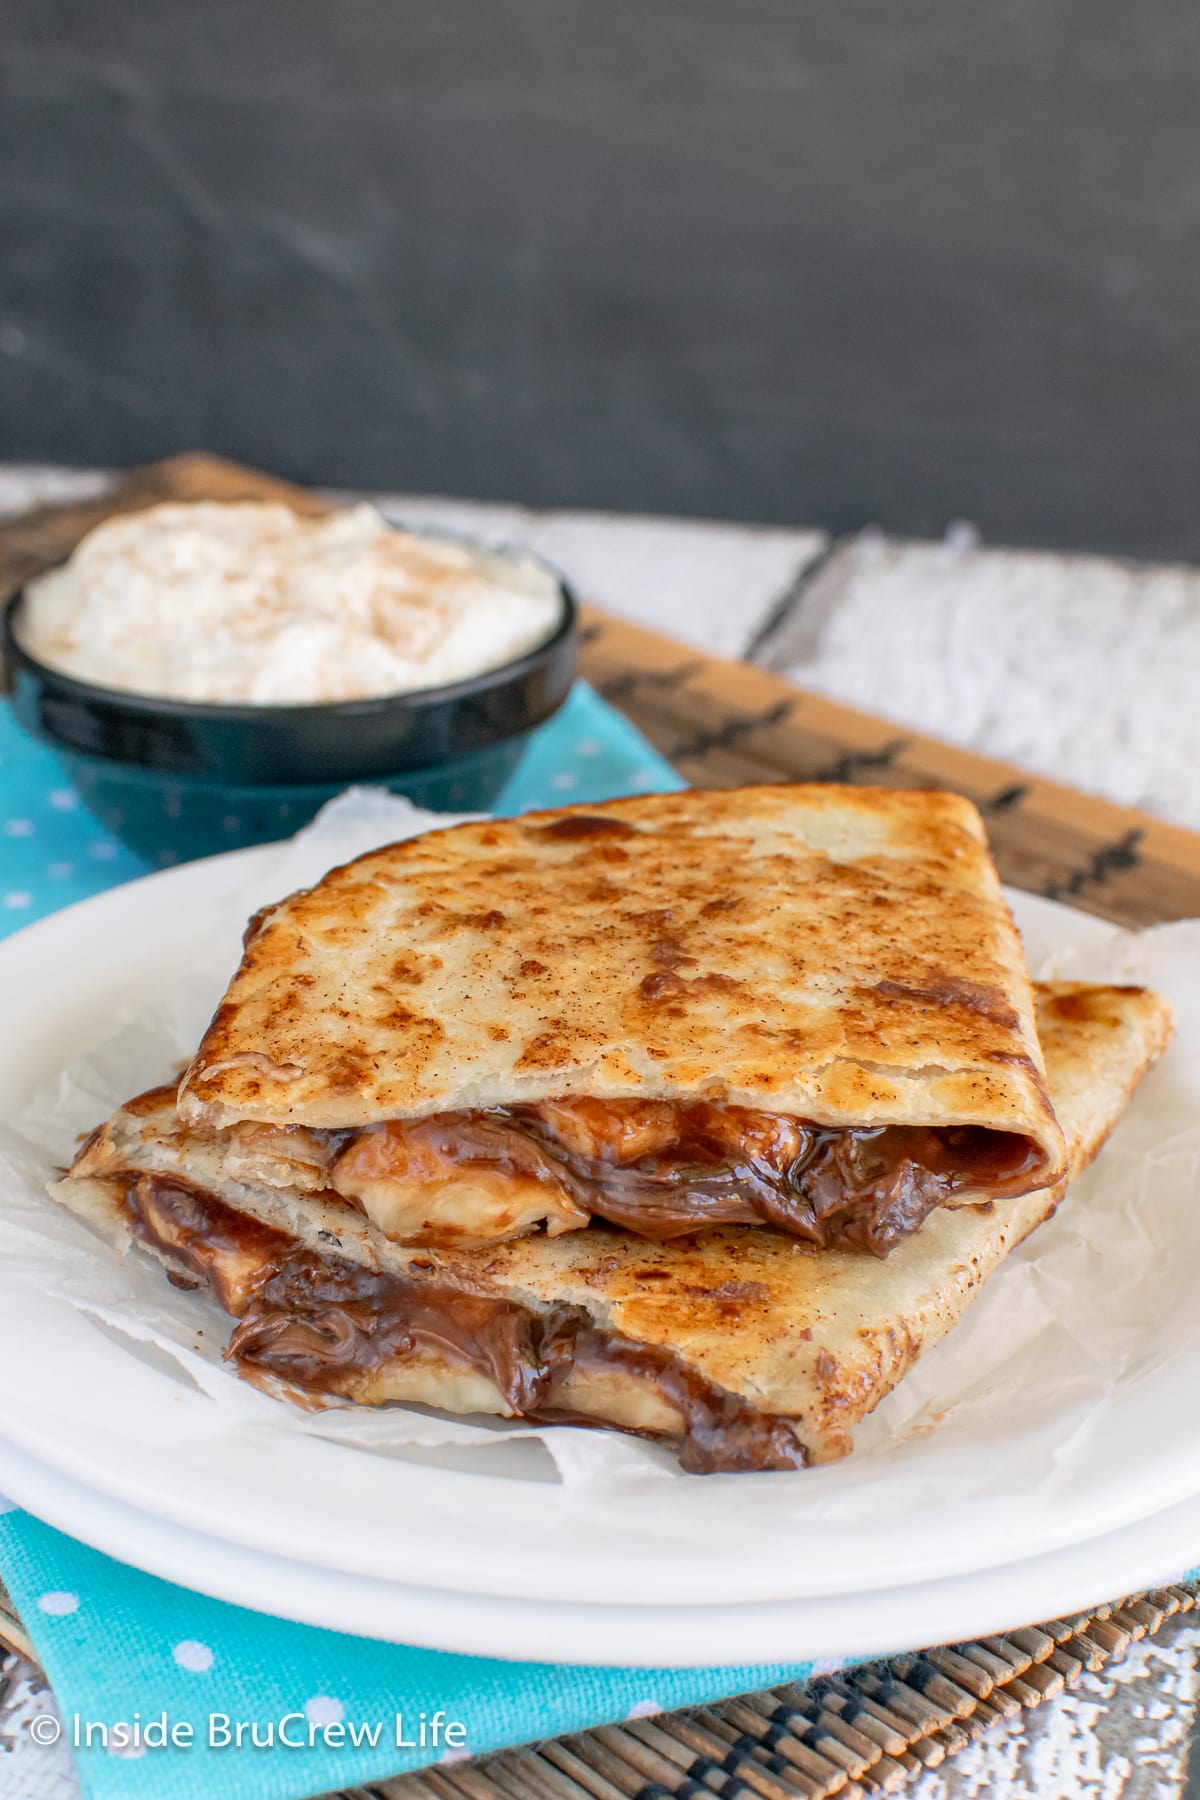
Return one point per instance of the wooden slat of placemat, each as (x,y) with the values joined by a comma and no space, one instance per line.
(12,1633)
(723,723)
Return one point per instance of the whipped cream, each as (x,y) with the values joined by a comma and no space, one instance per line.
(250,602)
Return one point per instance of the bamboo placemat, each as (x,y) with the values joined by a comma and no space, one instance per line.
(12,1632)
(867,1730)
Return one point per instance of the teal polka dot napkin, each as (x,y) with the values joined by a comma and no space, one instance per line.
(121,1647)
(317,1710)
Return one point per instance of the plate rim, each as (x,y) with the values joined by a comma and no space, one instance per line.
(829,1628)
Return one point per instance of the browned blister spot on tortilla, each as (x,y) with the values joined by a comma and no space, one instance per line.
(949,990)
(1014,1059)
(579,827)
(656,919)
(225,1016)
(669,953)
(1088,1006)
(402,1018)
(286,1009)
(348,1073)
(546,1051)
(718,984)
(654,987)
(724,903)
(744,1293)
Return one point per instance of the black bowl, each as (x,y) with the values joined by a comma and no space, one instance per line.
(177,778)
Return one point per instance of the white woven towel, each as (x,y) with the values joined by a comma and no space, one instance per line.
(1082,668)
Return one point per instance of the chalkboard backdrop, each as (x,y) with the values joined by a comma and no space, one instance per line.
(901,261)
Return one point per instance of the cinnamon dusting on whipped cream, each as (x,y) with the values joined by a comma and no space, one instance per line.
(247,602)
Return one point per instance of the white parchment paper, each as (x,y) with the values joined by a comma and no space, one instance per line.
(1034,1386)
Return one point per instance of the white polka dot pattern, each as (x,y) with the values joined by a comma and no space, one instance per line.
(323,1709)
(828,1665)
(125,1745)
(58,1603)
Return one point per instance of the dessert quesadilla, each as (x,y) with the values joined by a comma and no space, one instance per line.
(741,1347)
(804,1007)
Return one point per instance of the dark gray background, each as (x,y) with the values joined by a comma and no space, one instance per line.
(903,262)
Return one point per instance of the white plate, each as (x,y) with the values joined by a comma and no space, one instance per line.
(491,1524)
(977,1604)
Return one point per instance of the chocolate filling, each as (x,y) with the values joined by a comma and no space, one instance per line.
(320,1321)
(662,1169)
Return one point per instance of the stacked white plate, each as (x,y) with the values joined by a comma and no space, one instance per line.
(994,1509)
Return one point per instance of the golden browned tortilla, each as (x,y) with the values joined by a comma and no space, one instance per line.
(839,953)
(666,1012)
(743,1348)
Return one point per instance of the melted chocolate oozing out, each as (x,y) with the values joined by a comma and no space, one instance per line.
(865,1189)
(319,1321)
(317,1317)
